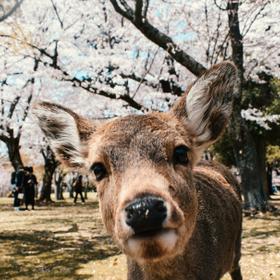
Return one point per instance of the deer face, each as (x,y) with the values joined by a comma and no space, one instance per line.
(143,169)
(143,165)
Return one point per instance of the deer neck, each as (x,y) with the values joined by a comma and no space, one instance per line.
(174,268)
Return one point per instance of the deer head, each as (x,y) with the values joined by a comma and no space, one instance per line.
(143,165)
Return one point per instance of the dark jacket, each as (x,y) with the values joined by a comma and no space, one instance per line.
(78,186)
(29,183)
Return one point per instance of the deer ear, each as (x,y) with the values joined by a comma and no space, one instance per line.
(207,106)
(67,132)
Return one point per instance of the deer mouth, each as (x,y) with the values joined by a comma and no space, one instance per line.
(150,228)
(153,245)
(151,233)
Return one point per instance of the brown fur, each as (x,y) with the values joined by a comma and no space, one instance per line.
(200,237)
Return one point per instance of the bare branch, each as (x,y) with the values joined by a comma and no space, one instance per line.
(244,32)
(145,74)
(55,54)
(11,11)
(43,154)
(13,107)
(141,10)
(138,10)
(219,6)
(217,36)
(138,79)
(57,14)
(161,39)
(27,107)
(4,138)
(90,88)
(123,9)
(223,48)
(25,113)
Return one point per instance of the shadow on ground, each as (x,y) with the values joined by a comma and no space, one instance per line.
(63,241)
(260,234)
(58,250)
(40,252)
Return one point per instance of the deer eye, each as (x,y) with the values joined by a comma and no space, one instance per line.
(99,171)
(180,155)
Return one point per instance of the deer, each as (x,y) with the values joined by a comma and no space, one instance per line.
(172,215)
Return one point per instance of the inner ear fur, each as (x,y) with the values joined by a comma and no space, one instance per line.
(67,132)
(207,104)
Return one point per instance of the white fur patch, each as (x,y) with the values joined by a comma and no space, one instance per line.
(196,106)
(134,246)
(168,239)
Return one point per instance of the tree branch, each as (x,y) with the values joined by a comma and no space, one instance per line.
(138,11)
(219,6)
(88,87)
(4,138)
(236,37)
(26,109)
(57,14)
(13,107)
(12,10)
(125,10)
(160,39)
(216,38)
(76,82)
(146,7)
(244,32)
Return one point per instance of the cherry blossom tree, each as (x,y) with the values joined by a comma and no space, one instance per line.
(124,57)
(12,117)
(229,38)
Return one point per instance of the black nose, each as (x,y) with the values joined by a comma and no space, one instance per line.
(146,214)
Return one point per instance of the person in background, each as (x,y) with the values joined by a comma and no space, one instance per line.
(29,184)
(78,187)
(17,182)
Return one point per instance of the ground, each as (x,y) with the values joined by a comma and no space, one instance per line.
(66,241)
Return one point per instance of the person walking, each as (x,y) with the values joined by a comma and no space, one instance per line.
(29,184)
(78,187)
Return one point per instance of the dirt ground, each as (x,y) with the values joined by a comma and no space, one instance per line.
(67,241)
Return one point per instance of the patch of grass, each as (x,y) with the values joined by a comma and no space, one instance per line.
(67,241)
(52,242)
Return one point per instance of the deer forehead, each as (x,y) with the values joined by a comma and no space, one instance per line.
(151,137)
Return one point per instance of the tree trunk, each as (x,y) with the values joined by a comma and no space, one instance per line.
(45,194)
(58,185)
(50,166)
(14,153)
(247,160)
(58,192)
(244,144)
(261,152)
(71,191)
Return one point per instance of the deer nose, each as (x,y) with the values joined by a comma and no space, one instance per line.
(146,215)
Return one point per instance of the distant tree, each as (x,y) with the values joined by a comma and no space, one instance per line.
(49,168)
(12,117)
